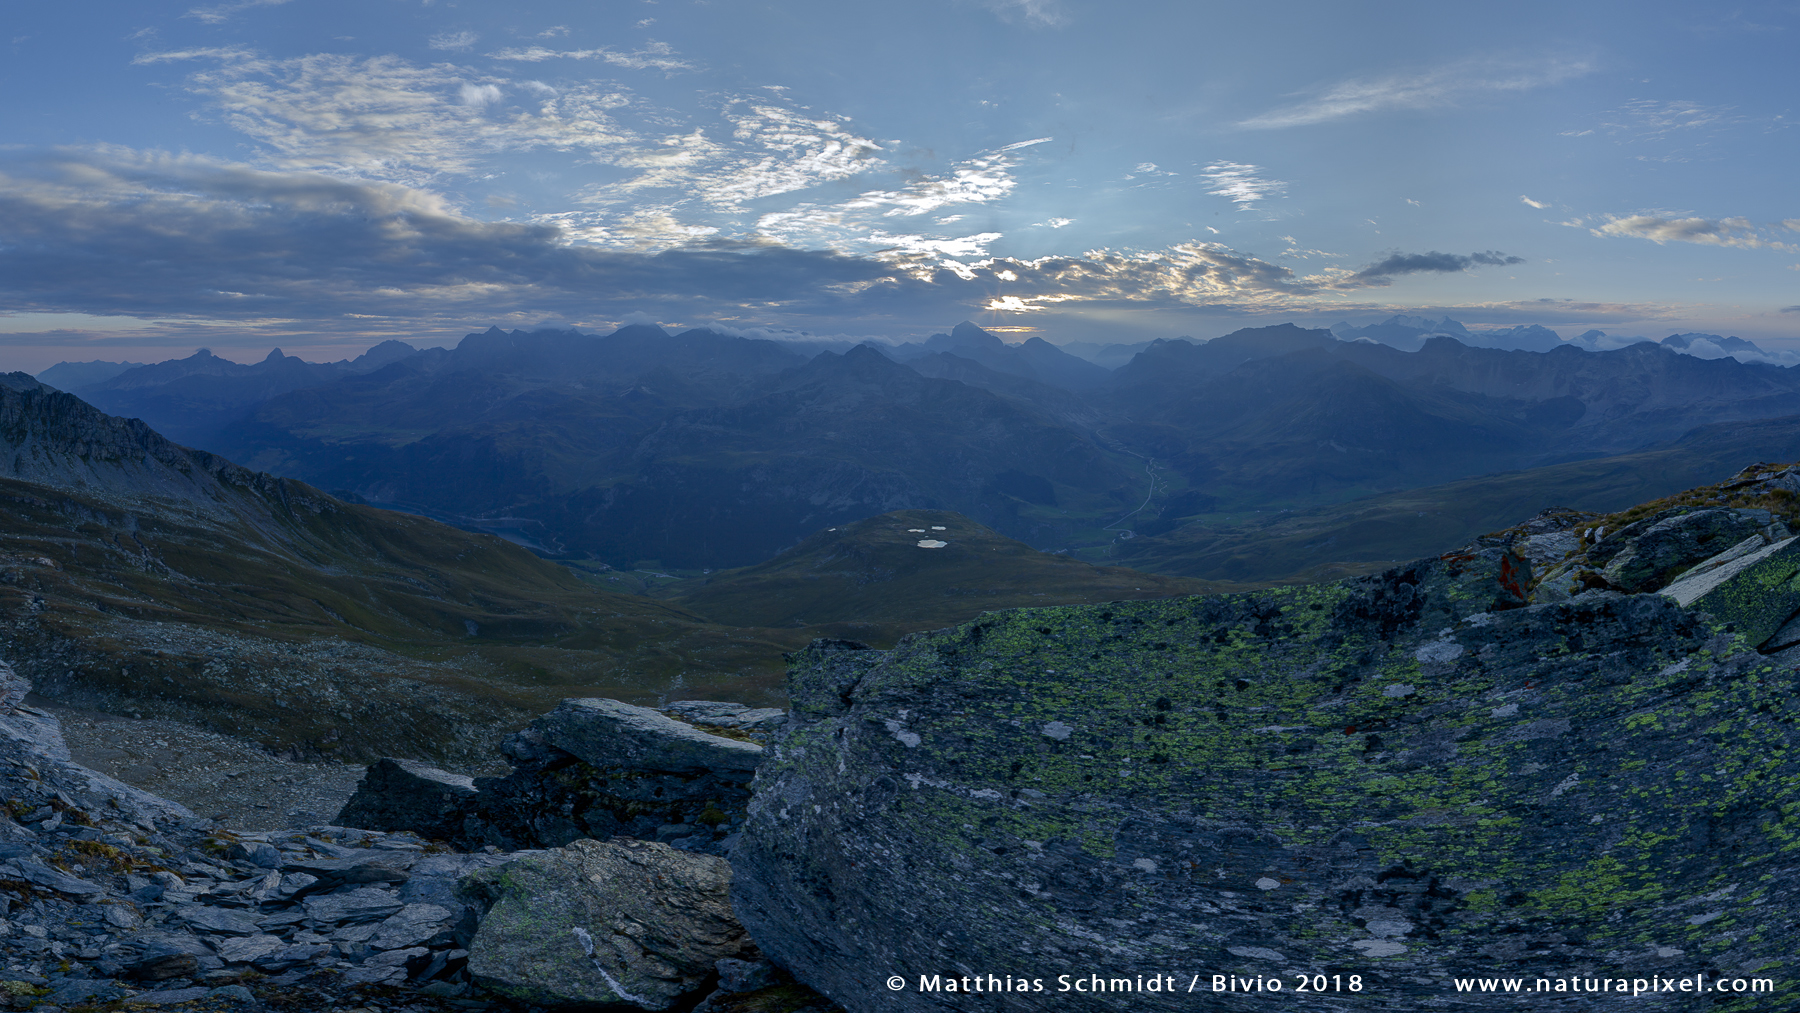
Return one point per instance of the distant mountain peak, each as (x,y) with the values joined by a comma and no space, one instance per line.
(274,355)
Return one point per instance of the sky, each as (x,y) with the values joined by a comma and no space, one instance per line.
(321,175)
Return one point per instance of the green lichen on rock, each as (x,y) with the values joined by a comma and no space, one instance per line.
(1411,777)
(1758,600)
(619,923)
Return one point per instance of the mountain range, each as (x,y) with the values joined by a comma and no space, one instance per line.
(143,578)
(706,450)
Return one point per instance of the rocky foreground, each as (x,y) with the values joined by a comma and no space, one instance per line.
(1367,791)
(115,898)
(1562,757)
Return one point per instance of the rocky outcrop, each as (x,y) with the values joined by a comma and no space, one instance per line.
(1398,781)
(592,768)
(607,735)
(618,922)
(110,892)
(734,717)
(409,795)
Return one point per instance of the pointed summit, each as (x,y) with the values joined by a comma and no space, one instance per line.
(274,355)
(968,333)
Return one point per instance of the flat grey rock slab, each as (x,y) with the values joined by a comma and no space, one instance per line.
(609,735)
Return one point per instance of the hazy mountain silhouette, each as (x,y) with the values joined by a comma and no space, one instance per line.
(704,449)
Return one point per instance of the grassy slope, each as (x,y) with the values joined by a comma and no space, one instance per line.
(871,581)
(1368,534)
(140,610)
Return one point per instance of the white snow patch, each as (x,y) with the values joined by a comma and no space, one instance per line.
(1266,883)
(1145,864)
(931,543)
(1058,731)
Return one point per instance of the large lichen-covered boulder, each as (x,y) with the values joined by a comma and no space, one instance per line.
(1662,547)
(1755,593)
(616,922)
(1395,780)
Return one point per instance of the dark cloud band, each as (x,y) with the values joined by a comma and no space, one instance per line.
(1433,262)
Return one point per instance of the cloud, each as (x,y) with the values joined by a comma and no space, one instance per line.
(1240,184)
(113,232)
(1429,89)
(1646,119)
(1432,262)
(223,12)
(982,179)
(1043,12)
(386,118)
(479,94)
(1739,232)
(1790,309)
(1540,205)
(652,56)
(454,41)
(189,241)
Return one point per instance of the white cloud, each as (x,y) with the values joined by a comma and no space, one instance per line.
(1043,12)
(223,12)
(1057,223)
(771,149)
(1705,231)
(651,56)
(1240,184)
(985,178)
(1540,205)
(454,41)
(386,118)
(897,247)
(1438,87)
(479,94)
(1650,118)
(225,53)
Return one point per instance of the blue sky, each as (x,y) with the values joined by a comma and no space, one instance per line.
(319,175)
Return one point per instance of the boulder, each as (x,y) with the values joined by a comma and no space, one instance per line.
(362,904)
(1388,777)
(13,689)
(368,867)
(623,921)
(735,716)
(407,795)
(1756,592)
(607,735)
(600,769)
(1645,555)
